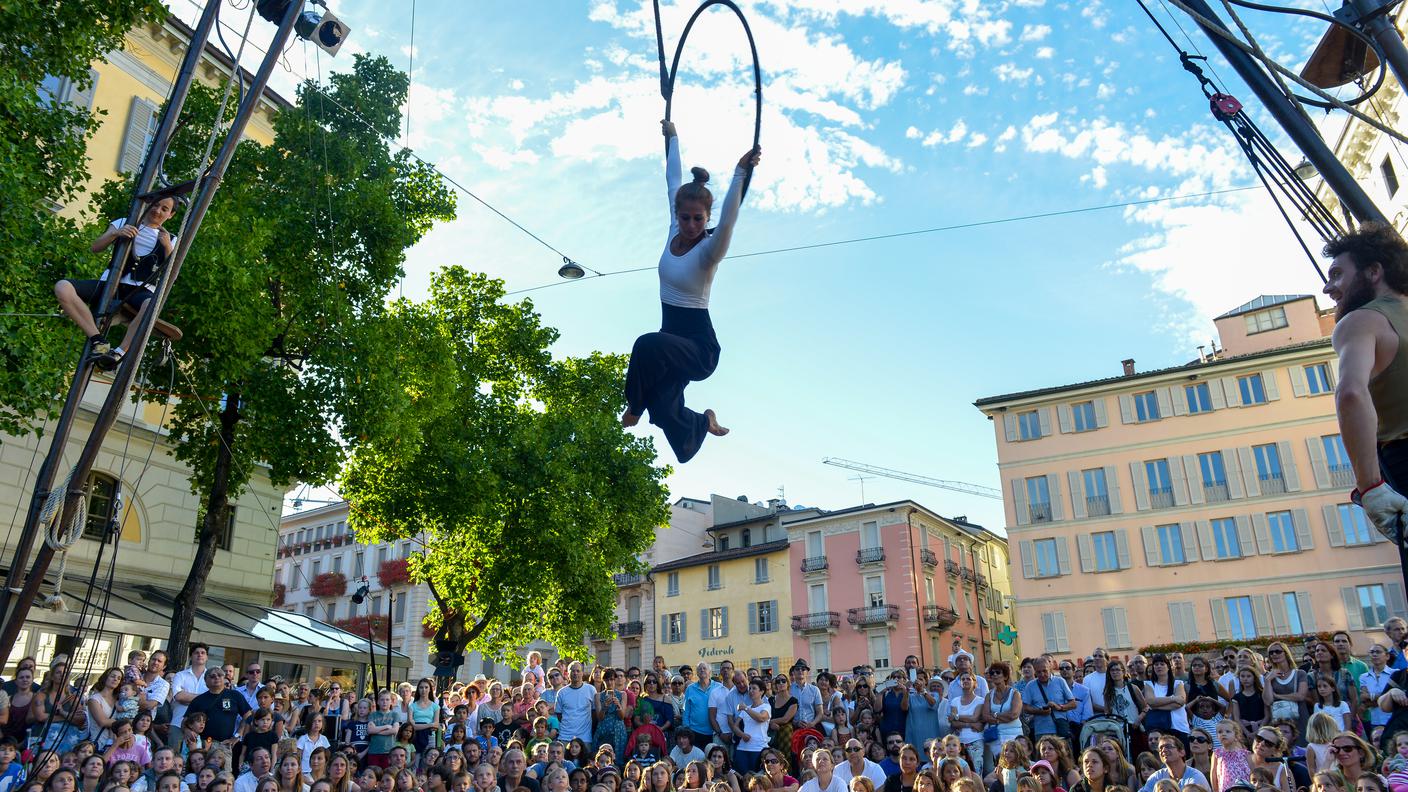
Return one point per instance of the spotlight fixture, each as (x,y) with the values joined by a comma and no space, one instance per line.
(327,32)
(360,595)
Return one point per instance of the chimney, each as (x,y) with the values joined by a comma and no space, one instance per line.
(1128,364)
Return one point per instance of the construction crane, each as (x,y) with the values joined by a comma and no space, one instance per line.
(955,486)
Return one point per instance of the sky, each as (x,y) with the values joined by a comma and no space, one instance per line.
(879,117)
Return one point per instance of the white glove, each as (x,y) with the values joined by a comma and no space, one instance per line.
(1385,507)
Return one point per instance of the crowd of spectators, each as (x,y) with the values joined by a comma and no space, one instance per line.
(1309,718)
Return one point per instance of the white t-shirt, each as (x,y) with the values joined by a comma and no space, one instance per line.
(836,785)
(142,244)
(718,702)
(1339,713)
(574,711)
(1230,682)
(307,747)
(1095,683)
(871,770)
(757,731)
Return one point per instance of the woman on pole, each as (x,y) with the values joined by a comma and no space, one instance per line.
(685,350)
(151,246)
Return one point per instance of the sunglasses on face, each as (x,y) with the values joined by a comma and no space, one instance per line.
(853,749)
(1344,748)
(1199,739)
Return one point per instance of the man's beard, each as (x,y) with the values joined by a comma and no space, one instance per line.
(1356,294)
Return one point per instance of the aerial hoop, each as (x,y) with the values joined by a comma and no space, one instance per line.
(667,75)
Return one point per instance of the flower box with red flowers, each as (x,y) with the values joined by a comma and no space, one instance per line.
(328,584)
(394,571)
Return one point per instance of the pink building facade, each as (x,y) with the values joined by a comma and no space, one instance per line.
(874,584)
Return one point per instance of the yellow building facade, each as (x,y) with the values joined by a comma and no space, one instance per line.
(730,603)
(127,91)
(1208,501)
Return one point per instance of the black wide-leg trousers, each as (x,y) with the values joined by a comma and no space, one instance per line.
(662,364)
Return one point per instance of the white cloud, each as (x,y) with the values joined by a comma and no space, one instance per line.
(977,139)
(1007,136)
(1208,254)
(1212,255)
(1043,53)
(1104,91)
(1203,157)
(1035,32)
(973,89)
(913,133)
(1010,72)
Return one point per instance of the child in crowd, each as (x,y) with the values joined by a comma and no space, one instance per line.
(1327,700)
(192,736)
(1206,716)
(12,773)
(1319,731)
(127,700)
(1395,766)
(136,666)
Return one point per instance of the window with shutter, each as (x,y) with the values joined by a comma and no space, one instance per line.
(137,139)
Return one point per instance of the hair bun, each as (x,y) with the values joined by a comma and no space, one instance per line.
(701,176)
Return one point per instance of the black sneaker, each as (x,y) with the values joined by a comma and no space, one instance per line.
(108,360)
(100,346)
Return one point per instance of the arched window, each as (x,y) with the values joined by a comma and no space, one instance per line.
(747,538)
(101,490)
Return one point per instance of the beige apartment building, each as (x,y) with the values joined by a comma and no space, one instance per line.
(1207,501)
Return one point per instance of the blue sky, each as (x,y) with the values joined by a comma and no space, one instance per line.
(879,117)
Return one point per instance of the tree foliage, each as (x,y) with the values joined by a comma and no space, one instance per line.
(42,165)
(283,298)
(527,489)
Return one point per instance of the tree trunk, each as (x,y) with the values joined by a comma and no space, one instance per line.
(217,509)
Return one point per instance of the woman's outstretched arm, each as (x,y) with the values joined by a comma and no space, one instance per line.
(673,170)
(728,216)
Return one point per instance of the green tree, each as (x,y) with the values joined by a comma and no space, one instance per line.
(283,300)
(527,489)
(44,45)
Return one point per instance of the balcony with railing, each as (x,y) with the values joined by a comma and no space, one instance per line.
(630,629)
(928,558)
(1341,476)
(951,568)
(968,575)
(872,615)
(821,621)
(870,555)
(1216,492)
(1272,485)
(1161,498)
(937,617)
(623,579)
(814,564)
(1039,512)
(982,582)
(1097,505)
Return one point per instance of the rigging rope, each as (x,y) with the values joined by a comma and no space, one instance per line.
(1272,169)
(1329,100)
(667,78)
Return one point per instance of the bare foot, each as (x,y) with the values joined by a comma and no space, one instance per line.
(628,419)
(714,428)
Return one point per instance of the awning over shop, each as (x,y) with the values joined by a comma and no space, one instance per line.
(145,610)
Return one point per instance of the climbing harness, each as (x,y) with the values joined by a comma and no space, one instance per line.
(668,75)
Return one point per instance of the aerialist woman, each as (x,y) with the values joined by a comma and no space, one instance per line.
(151,245)
(685,350)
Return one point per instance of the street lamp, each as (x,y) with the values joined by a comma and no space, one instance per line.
(358,598)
